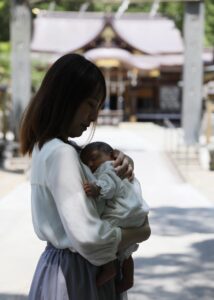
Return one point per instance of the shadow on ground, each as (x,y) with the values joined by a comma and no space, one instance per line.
(185,276)
(176,277)
(174,221)
(12,297)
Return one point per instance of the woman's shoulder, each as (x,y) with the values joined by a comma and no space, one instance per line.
(54,144)
(53,148)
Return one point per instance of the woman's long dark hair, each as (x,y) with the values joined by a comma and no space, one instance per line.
(68,83)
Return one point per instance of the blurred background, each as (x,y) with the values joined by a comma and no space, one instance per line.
(158,61)
(157,58)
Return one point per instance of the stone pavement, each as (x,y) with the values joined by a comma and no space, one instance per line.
(9,180)
(176,263)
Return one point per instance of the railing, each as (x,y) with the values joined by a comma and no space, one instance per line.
(110,117)
(183,156)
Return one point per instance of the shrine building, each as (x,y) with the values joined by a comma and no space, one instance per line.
(140,56)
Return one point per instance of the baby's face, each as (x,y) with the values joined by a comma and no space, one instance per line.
(96,158)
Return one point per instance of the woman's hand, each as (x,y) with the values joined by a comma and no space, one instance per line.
(135,235)
(124,165)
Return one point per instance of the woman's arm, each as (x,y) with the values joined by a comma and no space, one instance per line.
(135,235)
(90,236)
(124,167)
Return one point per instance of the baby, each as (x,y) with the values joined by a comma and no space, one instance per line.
(118,201)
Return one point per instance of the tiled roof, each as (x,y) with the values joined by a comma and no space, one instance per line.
(150,35)
(62,32)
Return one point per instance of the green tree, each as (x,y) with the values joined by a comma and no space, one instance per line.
(173,11)
(209,24)
(176,11)
(4,19)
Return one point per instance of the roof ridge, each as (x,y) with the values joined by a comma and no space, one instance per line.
(90,14)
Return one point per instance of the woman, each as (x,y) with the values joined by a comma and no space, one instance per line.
(79,242)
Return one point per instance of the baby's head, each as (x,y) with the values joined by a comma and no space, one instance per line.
(94,154)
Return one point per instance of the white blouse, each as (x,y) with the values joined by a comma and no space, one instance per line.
(62,213)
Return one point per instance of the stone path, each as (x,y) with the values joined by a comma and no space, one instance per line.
(9,180)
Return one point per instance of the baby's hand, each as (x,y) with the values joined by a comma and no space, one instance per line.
(91,189)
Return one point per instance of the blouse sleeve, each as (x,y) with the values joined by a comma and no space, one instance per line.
(90,236)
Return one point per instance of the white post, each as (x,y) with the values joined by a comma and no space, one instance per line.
(192,71)
(20,31)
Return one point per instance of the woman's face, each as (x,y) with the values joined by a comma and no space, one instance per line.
(85,114)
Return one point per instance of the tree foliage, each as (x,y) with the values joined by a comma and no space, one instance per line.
(209,22)
(174,11)
(4,19)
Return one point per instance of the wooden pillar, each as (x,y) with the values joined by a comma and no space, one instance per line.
(120,90)
(133,108)
(209,112)
(108,89)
